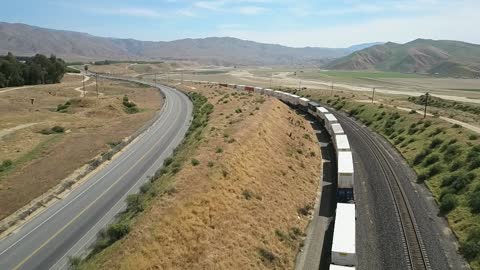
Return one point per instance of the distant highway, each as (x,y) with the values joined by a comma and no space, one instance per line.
(70,225)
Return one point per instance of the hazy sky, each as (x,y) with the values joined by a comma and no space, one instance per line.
(333,23)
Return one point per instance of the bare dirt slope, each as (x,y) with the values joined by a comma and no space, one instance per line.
(40,161)
(241,206)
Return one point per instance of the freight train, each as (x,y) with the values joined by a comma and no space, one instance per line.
(343,255)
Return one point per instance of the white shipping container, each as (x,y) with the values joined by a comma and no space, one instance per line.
(329,120)
(321,111)
(343,246)
(341,143)
(294,99)
(258,90)
(241,87)
(341,267)
(345,169)
(336,129)
(268,92)
(303,101)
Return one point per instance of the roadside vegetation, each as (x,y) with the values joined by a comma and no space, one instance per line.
(445,156)
(446,104)
(160,184)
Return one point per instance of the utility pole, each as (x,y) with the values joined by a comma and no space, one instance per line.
(83,81)
(300,85)
(332,90)
(271,78)
(155,80)
(373,94)
(96,83)
(426,105)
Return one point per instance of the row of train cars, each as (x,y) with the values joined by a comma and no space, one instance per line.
(343,255)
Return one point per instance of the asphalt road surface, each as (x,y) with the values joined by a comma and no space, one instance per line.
(69,227)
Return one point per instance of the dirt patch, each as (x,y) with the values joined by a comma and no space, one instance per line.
(41,161)
(238,204)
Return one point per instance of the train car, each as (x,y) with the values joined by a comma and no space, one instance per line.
(249,89)
(258,90)
(341,267)
(303,103)
(341,142)
(345,176)
(277,94)
(233,86)
(223,85)
(268,92)
(294,99)
(312,108)
(343,246)
(321,111)
(329,119)
(240,87)
(336,129)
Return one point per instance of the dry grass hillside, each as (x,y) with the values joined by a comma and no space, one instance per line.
(41,157)
(243,202)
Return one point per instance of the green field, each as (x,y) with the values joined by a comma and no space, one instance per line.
(359,74)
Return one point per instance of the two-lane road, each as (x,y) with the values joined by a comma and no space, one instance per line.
(70,225)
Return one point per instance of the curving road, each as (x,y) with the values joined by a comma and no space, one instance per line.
(69,226)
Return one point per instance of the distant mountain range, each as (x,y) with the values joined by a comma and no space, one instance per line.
(438,57)
(25,40)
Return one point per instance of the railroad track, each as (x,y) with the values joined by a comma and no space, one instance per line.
(414,248)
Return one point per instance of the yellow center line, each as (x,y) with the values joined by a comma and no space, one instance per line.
(89,206)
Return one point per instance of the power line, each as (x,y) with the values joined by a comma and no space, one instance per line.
(426,105)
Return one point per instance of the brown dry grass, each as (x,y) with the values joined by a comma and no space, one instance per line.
(42,161)
(245,200)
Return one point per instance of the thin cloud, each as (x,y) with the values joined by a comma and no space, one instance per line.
(251,10)
(134,12)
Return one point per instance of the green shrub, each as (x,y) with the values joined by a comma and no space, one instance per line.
(474,164)
(473,137)
(420,156)
(448,203)
(167,161)
(267,256)
(247,194)
(117,231)
(134,203)
(435,142)
(456,126)
(412,112)
(210,164)
(219,150)
(195,162)
(431,159)
(6,165)
(58,129)
(434,170)
(474,202)
(470,247)
(457,164)
(238,110)
(145,187)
